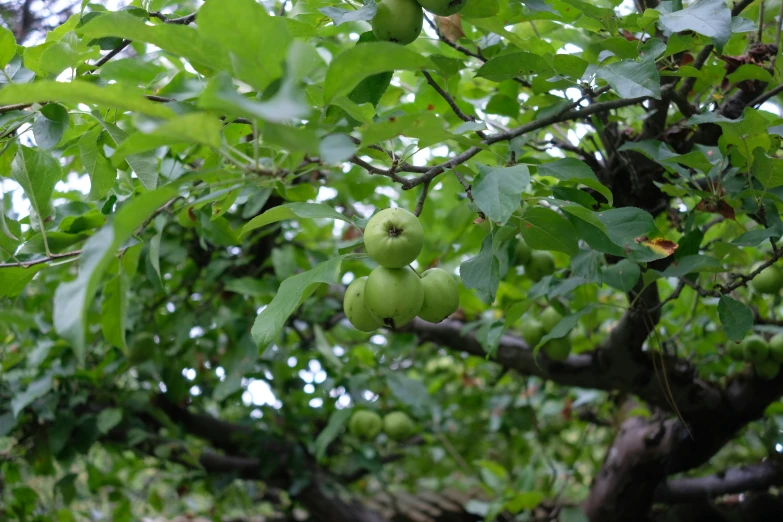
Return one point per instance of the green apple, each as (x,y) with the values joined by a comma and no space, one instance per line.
(441,295)
(767,370)
(558,349)
(541,264)
(755,348)
(776,348)
(443,7)
(394,237)
(398,21)
(393,295)
(365,424)
(549,318)
(768,281)
(524,252)
(532,331)
(355,311)
(398,426)
(736,351)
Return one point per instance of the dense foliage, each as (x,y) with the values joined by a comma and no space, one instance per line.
(185,187)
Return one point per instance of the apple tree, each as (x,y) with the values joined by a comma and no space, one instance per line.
(404,261)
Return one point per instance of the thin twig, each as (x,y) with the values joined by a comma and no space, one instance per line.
(16,107)
(422,198)
(114,52)
(446,96)
(767,95)
(47,259)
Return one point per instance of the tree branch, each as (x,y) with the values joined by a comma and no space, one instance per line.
(758,477)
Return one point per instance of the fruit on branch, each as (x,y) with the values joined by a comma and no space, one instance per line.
(532,331)
(768,281)
(558,349)
(549,318)
(441,295)
(398,426)
(393,295)
(755,348)
(767,370)
(736,351)
(394,237)
(398,21)
(776,348)
(365,424)
(524,252)
(541,264)
(443,7)
(355,310)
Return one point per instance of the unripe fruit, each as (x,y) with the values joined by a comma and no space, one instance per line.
(755,348)
(558,349)
(776,348)
(398,426)
(393,295)
(443,7)
(532,331)
(767,370)
(355,310)
(524,252)
(398,21)
(541,264)
(394,237)
(549,318)
(768,281)
(365,424)
(736,351)
(441,295)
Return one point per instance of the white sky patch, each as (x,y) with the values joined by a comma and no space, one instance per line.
(325,193)
(570,48)
(259,393)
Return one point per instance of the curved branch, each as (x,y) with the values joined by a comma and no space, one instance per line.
(758,477)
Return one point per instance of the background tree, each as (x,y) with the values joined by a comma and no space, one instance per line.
(185,186)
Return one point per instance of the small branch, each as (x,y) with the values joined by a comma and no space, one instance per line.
(52,257)
(17,107)
(777,37)
(114,52)
(740,279)
(446,96)
(422,198)
(758,477)
(767,95)
(184,20)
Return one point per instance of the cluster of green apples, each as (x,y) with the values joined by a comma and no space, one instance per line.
(533,330)
(401,21)
(769,281)
(765,356)
(367,425)
(538,263)
(394,294)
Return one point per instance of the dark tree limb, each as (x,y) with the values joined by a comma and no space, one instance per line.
(758,477)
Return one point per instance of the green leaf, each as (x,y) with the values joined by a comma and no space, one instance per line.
(753,238)
(37,172)
(198,128)
(410,392)
(508,66)
(255,40)
(736,318)
(708,17)
(35,390)
(622,275)
(691,264)
(291,211)
(632,79)
(337,420)
(108,419)
(114,311)
(625,225)
(113,96)
(769,171)
(50,125)
(179,40)
(353,65)
(13,280)
(482,272)
(572,514)
(426,126)
(524,501)
(480,8)
(571,169)
(7,46)
(144,165)
(565,325)
(337,148)
(341,16)
(545,229)
(497,190)
(72,300)
(134,71)
(749,72)
(289,296)
(102,173)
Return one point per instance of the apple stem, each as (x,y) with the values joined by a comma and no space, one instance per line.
(415,271)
